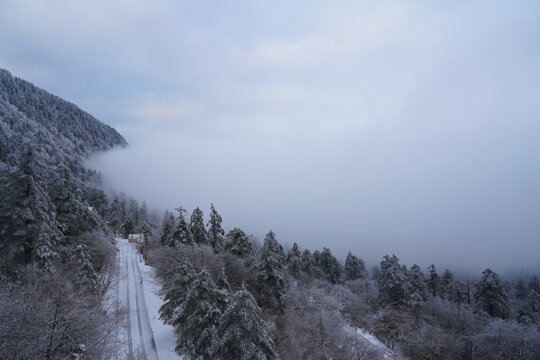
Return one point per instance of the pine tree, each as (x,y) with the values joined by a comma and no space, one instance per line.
(87,277)
(241,334)
(294,261)
(534,284)
(215,231)
(270,272)
(307,262)
(114,215)
(127,227)
(355,268)
(447,284)
(144,229)
(181,232)
(27,217)
(419,292)
(394,286)
(237,243)
(169,224)
(433,281)
(330,266)
(490,295)
(196,227)
(223,283)
(521,290)
(175,291)
(198,316)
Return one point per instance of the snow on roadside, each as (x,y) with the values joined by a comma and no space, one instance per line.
(386,352)
(164,335)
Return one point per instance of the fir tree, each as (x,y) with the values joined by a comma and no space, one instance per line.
(447,284)
(114,216)
(223,283)
(196,227)
(175,291)
(394,286)
(87,277)
(127,227)
(270,272)
(241,334)
(534,284)
(215,231)
(521,290)
(490,295)
(198,316)
(27,218)
(433,281)
(307,262)
(294,261)
(144,229)
(330,266)
(355,268)
(169,224)
(237,243)
(419,292)
(181,232)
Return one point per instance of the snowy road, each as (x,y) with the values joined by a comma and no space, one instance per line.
(144,335)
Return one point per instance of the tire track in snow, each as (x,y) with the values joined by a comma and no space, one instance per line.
(130,345)
(139,324)
(146,316)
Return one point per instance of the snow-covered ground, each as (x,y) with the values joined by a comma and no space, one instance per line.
(144,335)
(371,339)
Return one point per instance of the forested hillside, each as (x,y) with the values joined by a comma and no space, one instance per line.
(46,193)
(57,260)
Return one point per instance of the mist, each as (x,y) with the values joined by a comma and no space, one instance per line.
(396,127)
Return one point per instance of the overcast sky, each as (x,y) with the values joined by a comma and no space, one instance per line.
(377,126)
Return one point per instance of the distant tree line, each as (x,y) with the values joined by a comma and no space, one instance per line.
(418,314)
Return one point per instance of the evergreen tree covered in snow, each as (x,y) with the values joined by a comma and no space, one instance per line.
(175,291)
(181,232)
(433,281)
(307,262)
(169,224)
(521,291)
(215,231)
(447,287)
(270,271)
(198,316)
(241,334)
(355,268)
(394,286)
(114,215)
(196,227)
(490,295)
(87,277)
(223,283)
(294,260)
(27,218)
(330,266)
(237,243)
(127,227)
(419,292)
(534,284)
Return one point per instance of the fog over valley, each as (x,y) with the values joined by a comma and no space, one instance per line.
(269,180)
(380,128)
